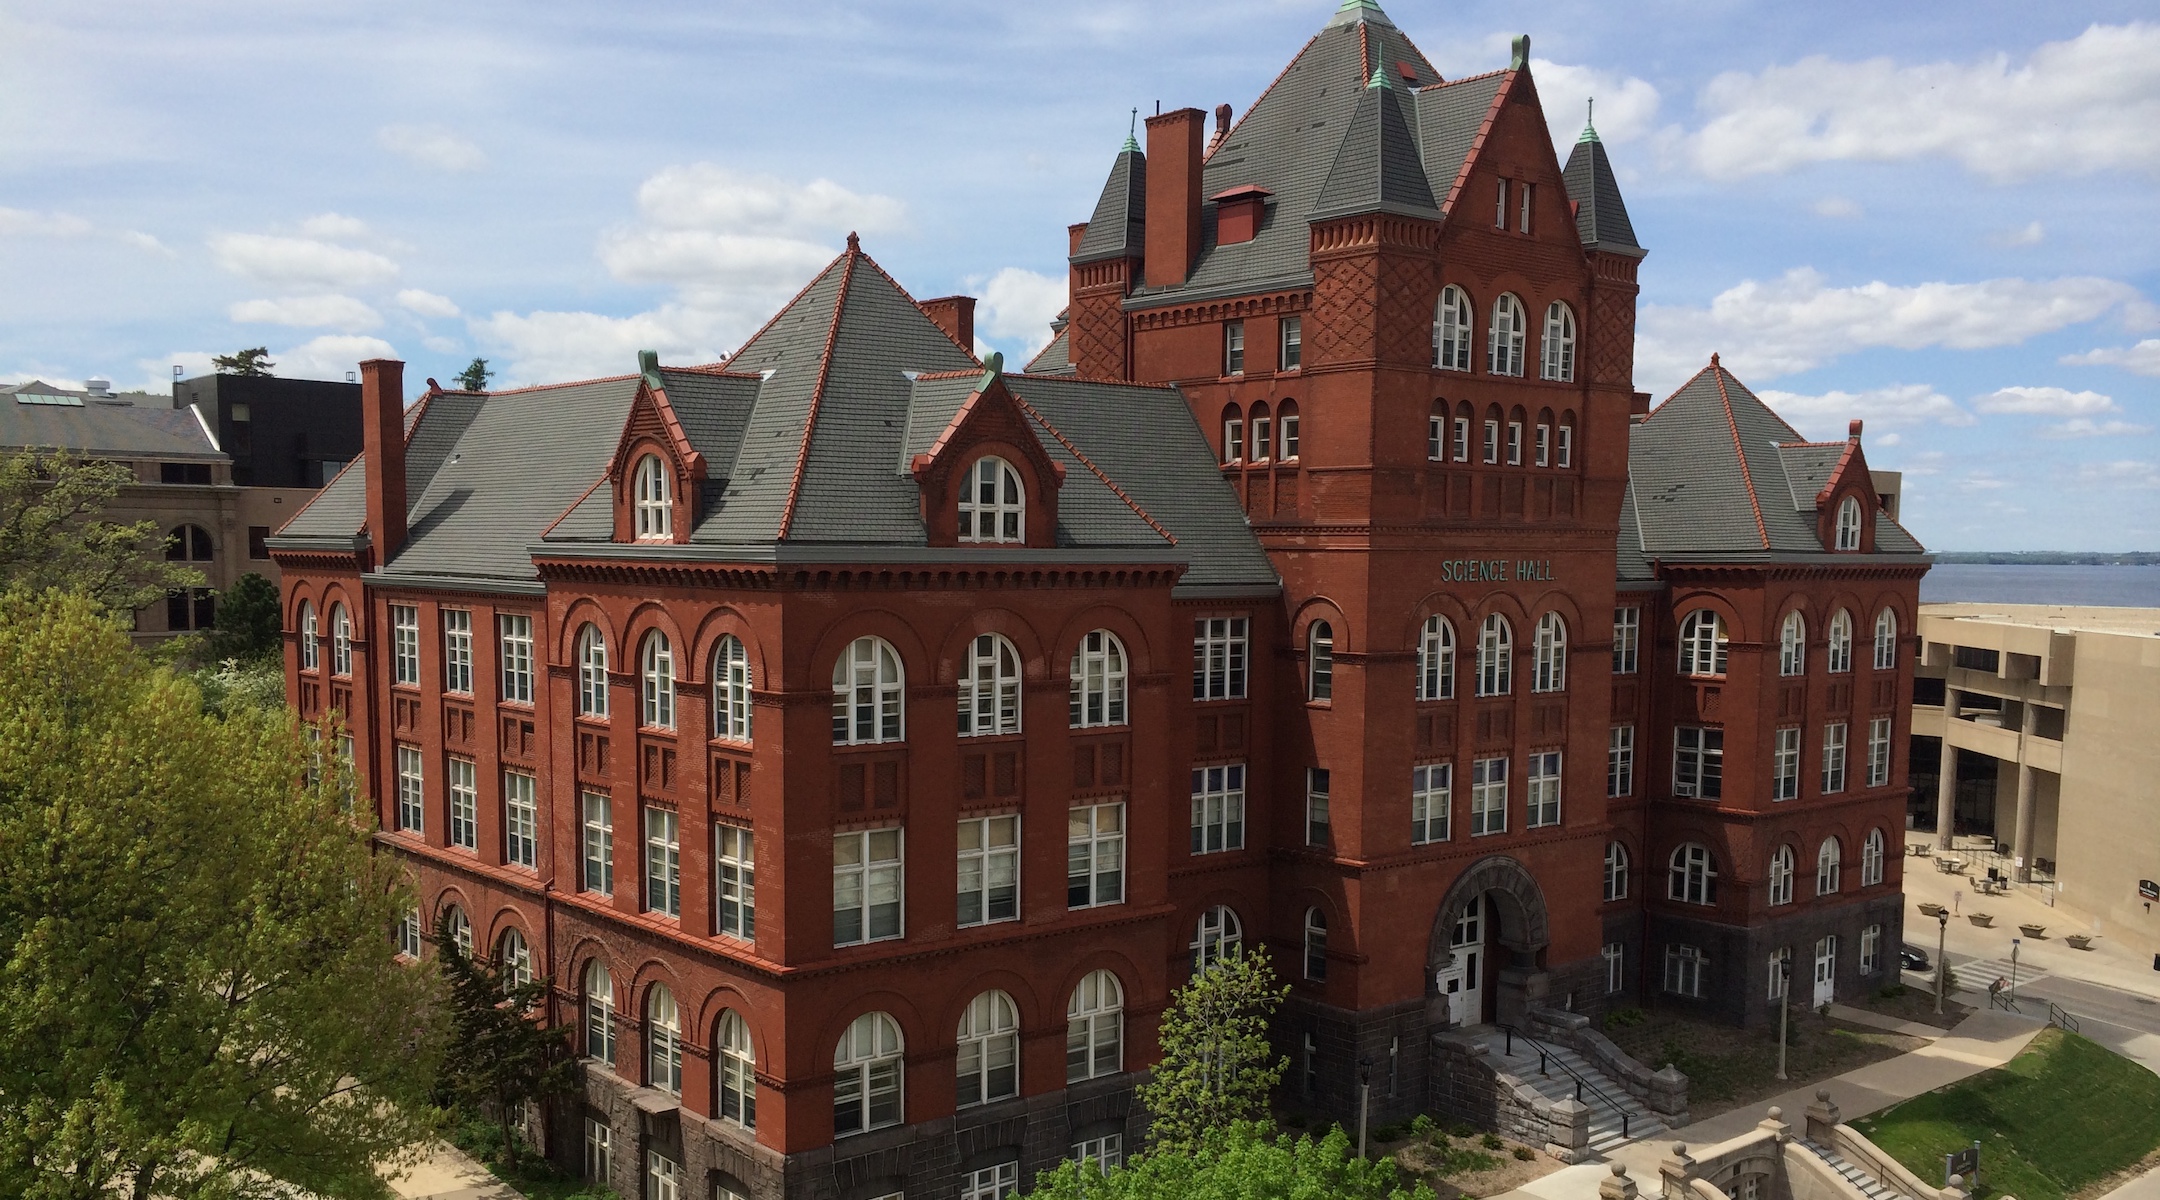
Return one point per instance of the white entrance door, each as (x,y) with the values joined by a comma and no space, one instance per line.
(1462,980)
(1825,971)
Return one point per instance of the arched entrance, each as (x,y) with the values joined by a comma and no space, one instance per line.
(1485,959)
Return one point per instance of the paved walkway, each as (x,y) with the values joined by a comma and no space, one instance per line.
(448,1173)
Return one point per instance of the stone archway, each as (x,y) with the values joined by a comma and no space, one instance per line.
(1515,905)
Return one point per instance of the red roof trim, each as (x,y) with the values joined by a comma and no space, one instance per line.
(1243,191)
(1837,473)
(1089,463)
(1747,480)
(583,496)
(817,394)
(1477,144)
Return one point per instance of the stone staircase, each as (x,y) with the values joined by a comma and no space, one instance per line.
(1556,1084)
(1869,1186)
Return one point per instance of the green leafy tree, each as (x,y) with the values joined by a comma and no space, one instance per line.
(244,362)
(250,626)
(199,996)
(53,534)
(475,376)
(505,1057)
(1244,1161)
(1217,1067)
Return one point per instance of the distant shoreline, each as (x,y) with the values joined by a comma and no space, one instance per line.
(2049,558)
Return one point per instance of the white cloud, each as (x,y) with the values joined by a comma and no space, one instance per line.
(1795,322)
(2031,235)
(1836,208)
(426,304)
(2143,358)
(2084,427)
(157,373)
(331,311)
(1017,307)
(432,146)
(291,261)
(18,222)
(334,225)
(143,241)
(2044,401)
(708,259)
(547,347)
(330,356)
(1626,107)
(2091,103)
(1891,439)
(1824,417)
(710,196)
(2127,472)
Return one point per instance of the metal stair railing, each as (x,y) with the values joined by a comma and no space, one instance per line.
(2060,1017)
(1549,1057)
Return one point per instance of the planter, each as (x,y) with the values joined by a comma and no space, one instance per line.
(2079,941)
(2035,932)
(1931,909)
(1983,920)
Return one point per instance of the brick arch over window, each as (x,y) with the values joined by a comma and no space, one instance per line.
(1524,922)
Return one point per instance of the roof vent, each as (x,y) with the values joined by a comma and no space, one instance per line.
(99,387)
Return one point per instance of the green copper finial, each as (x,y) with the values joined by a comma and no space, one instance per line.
(1522,52)
(1589,128)
(993,366)
(1379,78)
(648,362)
(1132,143)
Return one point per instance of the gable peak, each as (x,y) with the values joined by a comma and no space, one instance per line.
(1352,12)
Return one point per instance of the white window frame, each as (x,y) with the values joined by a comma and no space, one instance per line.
(1829,867)
(1564,455)
(1097,688)
(1886,640)
(521,820)
(1785,764)
(1684,971)
(1095,854)
(986,1060)
(999,1181)
(663,1040)
(1783,870)
(1233,347)
(340,641)
(732,682)
(1558,344)
(1541,445)
(1219,658)
(1263,434)
(1488,796)
(1699,762)
(1436,659)
(656,675)
(1848,523)
(1542,790)
(992,497)
(1871,949)
(1106,1151)
(989,687)
(1779,985)
(457,651)
(737,1062)
(1615,955)
(1219,934)
(1492,441)
(1095,1027)
(989,870)
(870,882)
(1627,639)
(1218,808)
(1691,876)
(1878,751)
(1495,656)
(1514,443)
(598,1013)
(1452,330)
(1510,325)
(1290,344)
(1792,645)
(405,644)
(1620,762)
(869,1065)
(1841,638)
(734,882)
(1549,646)
(1315,963)
(410,941)
(592,664)
(596,871)
(411,789)
(599,1150)
(310,642)
(1432,802)
(1462,439)
(1705,646)
(653,508)
(1873,850)
(1436,430)
(461,783)
(1286,429)
(663,861)
(869,685)
(1233,438)
(514,642)
(1320,662)
(1833,758)
(1616,872)
(513,957)
(1319,829)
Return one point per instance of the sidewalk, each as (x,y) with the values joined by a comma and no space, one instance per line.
(447,1173)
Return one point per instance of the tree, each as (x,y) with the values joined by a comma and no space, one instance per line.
(244,362)
(475,376)
(250,626)
(52,534)
(1242,1162)
(198,987)
(1217,1067)
(505,1057)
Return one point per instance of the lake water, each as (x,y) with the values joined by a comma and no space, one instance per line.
(2115,587)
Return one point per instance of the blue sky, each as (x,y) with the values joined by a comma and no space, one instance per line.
(1936,217)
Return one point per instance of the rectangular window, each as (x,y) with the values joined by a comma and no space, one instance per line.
(1218,658)
(517,658)
(1492,441)
(521,820)
(259,541)
(1620,762)
(1626,639)
(1293,343)
(598,1148)
(1095,855)
(1833,758)
(1233,440)
(1289,435)
(1234,348)
(1698,762)
(663,862)
(1615,967)
(1871,950)
(992,1183)
(1544,789)
(457,651)
(1488,796)
(989,870)
(410,790)
(1500,208)
(1527,190)
(734,882)
(1436,438)
(1218,808)
(1432,801)
(1462,439)
(1566,455)
(599,848)
(866,886)
(409,941)
(348,770)
(1684,971)
(405,644)
(1263,438)
(1317,831)
(1785,764)
(464,805)
(1544,444)
(1514,443)
(663,1177)
(1878,752)
(1108,1150)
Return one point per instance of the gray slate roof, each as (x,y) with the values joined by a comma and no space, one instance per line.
(1055,358)
(127,425)
(1601,218)
(1119,227)
(1377,167)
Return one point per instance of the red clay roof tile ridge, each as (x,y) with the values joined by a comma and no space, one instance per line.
(1852,445)
(1747,479)
(1492,114)
(1089,463)
(817,393)
(582,497)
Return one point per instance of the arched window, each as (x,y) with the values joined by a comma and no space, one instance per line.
(1219,936)
(656,669)
(1886,640)
(340,640)
(1320,661)
(1233,434)
(1098,681)
(1451,330)
(1848,524)
(1792,645)
(1616,871)
(653,508)
(1694,875)
(1559,344)
(1703,643)
(731,690)
(189,543)
(1829,865)
(592,672)
(1263,433)
(1781,875)
(310,644)
(738,1071)
(867,1075)
(1548,671)
(663,1041)
(1504,348)
(1841,642)
(514,959)
(993,508)
(1871,859)
(1436,660)
(990,688)
(599,1013)
(1495,657)
(1315,945)
(460,929)
(1095,1028)
(988,1064)
(867,682)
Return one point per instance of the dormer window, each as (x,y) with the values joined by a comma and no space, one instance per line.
(1848,524)
(993,505)
(651,500)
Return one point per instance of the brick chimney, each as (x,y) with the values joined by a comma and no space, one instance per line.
(1173,195)
(1073,234)
(955,315)
(382,412)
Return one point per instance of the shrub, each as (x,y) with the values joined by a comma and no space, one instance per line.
(1892,992)
(1624,1018)
(1524,1154)
(1461,1130)
(1490,1141)
(1388,1133)
(1421,1126)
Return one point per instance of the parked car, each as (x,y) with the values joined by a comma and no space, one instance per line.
(1912,958)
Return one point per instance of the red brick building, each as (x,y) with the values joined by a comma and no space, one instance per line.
(1324,585)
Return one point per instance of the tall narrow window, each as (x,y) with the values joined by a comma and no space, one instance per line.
(1542,447)
(1097,692)
(1318,829)
(410,790)
(657,678)
(1544,789)
(663,1041)
(1094,855)
(1492,440)
(1500,213)
(735,882)
(1792,645)
(405,644)
(464,804)
(1218,808)
(515,649)
(731,690)
(1451,330)
(1829,866)
(1694,875)
(598,844)
(1320,662)
(1781,876)
(663,862)
(867,687)
(1780,964)
(989,885)
(1616,872)
(993,504)
(340,640)
(1703,644)
(1871,859)
(1886,640)
(1559,344)
(1095,1028)
(1626,639)
(1698,762)
(513,957)
(1287,421)
(1495,657)
(1504,348)
(738,1071)
(1233,436)
(1436,432)
(1233,348)
(1615,967)
(1514,443)
(1522,206)
(592,672)
(1848,524)
(987,1066)
(1549,663)
(867,1075)
(1871,950)
(1878,752)
(1833,758)
(1292,354)
(1564,455)
(990,687)
(866,886)
(1219,935)
(457,651)
(521,820)
(410,941)
(1462,439)
(1841,643)
(1315,945)
(1432,801)
(1785,764)
(1436,660)
(654,509)
(1684,970)
(310,644)
(1219,658)
(1620,762)
(1263,434)
(1488,796)
(599,1016)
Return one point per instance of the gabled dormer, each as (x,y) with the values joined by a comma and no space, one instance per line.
(986,480)
(656,475)
(1845,507)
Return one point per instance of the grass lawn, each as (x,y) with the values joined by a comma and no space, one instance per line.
(2059,1118)
(1729,1067)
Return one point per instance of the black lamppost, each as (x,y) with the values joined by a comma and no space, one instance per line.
(1364,1094)
(1784,1007)
(1942,963)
